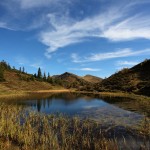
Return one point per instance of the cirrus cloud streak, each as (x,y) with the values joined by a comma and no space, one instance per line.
(127,52)
(85,69)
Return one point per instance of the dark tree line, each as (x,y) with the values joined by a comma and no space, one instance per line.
(40,76)
(22,70)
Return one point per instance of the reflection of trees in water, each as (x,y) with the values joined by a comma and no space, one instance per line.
(65,96)
(38,105)
(70,97)
(60,98)
(49,102)
(43,103)
(47,99)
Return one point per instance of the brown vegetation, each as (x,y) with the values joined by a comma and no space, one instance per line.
(92,79)
(69,80)
(27,130)
(16,82)
(135,80)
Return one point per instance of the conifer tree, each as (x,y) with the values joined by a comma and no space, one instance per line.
(39,75)
(20,69)
(35,75)
(44,77)
(23,70)
(48,75)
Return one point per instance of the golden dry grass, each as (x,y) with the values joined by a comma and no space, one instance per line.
(21,129)
(15,83)
(36,131)
(92,79)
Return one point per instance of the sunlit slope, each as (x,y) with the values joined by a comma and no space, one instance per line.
(22,82)
(92,79)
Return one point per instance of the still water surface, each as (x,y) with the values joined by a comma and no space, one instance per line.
(106,110)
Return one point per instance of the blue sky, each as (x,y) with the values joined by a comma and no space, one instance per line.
(97,37)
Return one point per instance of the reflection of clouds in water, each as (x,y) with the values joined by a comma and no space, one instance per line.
(111,115)
(86,106)
(89,107)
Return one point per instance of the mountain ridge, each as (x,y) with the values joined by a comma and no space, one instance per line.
(135,79)
(70,80)
(92,79)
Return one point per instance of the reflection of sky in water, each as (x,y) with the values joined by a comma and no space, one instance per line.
(112,115)
(67,107)
(96,109)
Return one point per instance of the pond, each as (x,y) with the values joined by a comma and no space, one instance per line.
(106,110)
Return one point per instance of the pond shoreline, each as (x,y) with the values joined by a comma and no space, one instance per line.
(19,94)
(64,127)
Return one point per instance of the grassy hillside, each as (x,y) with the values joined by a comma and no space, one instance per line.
(136,80)
(70,80)
(92,79)
(20,81)
(14,80)
(17,80)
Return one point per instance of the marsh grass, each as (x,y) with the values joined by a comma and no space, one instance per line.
(22,129)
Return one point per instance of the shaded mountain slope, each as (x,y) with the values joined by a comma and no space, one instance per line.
(136,79)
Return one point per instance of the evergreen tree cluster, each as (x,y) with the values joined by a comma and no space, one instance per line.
(47,78)
(22,70)
(39,76)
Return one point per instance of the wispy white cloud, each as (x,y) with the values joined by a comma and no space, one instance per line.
(74,31)
(75,58)
(27,15)
(5,26)
(59,29)
(37,65)
(85,69)
(2,25)
(47,55)
(90,69)
(116,23)
(127,52)
(21,60)
(126,63)
(131,28)
(30,4)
